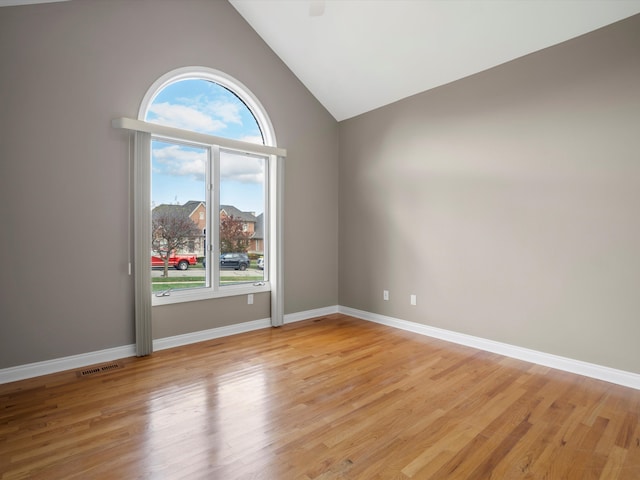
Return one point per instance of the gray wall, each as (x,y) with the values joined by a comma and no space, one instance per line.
(508,202)
(67,70)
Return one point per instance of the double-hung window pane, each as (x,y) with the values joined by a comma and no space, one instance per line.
(208,214)
(241,223)
(179,178)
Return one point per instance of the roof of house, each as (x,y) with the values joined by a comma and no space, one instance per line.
(190,206)
(258,231)
(230,210)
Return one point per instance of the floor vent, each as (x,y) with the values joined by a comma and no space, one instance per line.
(96,369)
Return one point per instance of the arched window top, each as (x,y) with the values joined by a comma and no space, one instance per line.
(204,100)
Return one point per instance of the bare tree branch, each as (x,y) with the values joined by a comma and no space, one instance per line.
(171,230)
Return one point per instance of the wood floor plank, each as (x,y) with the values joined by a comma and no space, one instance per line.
(328,398)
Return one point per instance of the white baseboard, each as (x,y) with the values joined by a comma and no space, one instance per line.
(306,315)
(21,372)
(607,374)
(619,377)
(187,338)
(201,336)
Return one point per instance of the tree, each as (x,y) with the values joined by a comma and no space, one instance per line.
(171,230)
(233,237)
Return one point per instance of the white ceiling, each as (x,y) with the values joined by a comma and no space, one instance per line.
(358,55)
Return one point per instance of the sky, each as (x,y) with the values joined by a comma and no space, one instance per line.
(179,171)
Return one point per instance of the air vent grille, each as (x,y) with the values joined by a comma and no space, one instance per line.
(97,369)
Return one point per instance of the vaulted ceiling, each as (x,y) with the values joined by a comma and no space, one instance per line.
(358,55)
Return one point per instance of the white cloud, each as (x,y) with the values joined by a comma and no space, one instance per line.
(243,169)
(187,118)
(183,162)
(178,161)
(228,112)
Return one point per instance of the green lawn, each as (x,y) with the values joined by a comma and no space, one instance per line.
(160,284)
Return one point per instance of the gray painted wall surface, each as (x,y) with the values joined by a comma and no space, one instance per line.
(508,202)
(67,70)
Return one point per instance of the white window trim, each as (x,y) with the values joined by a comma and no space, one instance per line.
(178,134)
(275,184)
(221,78)
(142,208)
(214,290)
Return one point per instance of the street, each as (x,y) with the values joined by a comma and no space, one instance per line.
(199,272)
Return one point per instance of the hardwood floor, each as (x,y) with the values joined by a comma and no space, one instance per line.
(329,398)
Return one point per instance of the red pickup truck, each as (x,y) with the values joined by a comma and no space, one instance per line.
(177,260)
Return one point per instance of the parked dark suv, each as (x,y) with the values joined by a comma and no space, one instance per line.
(237,261)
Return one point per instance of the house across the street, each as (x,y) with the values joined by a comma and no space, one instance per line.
(252,225)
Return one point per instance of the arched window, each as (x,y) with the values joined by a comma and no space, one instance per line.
(207,192)
(205,100)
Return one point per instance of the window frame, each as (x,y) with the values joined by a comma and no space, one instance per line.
(214,144)
(221,78)
(273,228)
(214,289)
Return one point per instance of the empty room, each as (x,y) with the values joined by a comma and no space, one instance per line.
(320,239)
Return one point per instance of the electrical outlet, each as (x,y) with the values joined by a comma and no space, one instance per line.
(250,299)
(413,300)
(385,294)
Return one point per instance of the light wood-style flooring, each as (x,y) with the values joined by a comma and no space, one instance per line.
(329,398)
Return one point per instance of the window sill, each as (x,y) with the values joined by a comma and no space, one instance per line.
(207,294)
